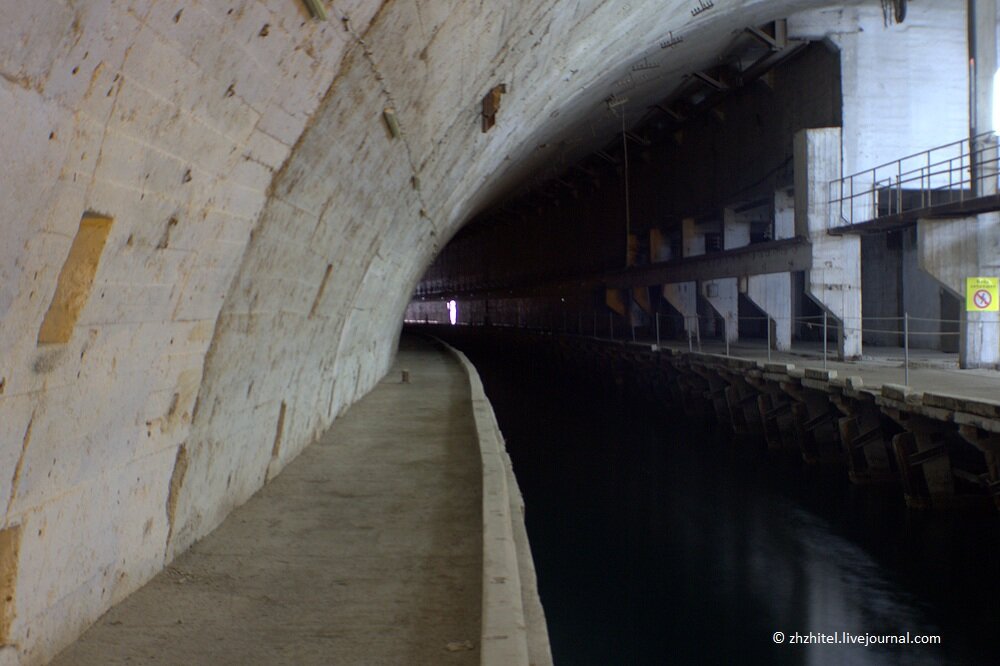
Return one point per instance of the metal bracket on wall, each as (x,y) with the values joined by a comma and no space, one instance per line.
(491,104)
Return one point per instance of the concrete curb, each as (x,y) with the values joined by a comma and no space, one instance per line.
(514,631)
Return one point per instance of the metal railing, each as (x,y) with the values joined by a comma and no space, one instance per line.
(811,334)
(948,174)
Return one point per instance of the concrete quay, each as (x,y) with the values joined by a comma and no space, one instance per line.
(938,439)
(369,548)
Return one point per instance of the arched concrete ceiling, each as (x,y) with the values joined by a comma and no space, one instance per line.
(377,209)
(268,231)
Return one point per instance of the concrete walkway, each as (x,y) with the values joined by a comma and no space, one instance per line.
(366,549)
(932,371)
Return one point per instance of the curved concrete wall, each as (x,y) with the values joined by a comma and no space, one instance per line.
(267,234)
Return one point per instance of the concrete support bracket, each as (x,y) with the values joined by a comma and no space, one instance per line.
(951,250)
(834,281)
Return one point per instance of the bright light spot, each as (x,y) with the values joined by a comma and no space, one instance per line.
(996,102)
(453,312)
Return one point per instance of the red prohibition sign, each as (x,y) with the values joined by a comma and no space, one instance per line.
(982,299)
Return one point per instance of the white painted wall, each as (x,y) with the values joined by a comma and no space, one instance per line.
(905,86)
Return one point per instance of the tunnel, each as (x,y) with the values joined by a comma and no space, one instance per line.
(220,214)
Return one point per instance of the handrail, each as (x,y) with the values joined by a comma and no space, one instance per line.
(946,174)
(821,325)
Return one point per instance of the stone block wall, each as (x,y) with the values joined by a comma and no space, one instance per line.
(170,119)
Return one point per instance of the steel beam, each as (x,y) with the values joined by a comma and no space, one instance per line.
(782,256)
(711,81)
(878,225)
(793,254)
(764,38)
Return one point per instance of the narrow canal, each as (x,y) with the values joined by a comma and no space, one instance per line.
(658,540)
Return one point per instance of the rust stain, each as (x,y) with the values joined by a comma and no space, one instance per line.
(18,80)
(173,493)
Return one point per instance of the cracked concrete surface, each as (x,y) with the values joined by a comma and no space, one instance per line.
(367,549)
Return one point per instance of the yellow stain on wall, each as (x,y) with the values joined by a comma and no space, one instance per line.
(10,545)
(75,279)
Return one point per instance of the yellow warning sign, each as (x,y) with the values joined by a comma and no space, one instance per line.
(981,294)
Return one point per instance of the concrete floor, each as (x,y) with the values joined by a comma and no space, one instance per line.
(366,549)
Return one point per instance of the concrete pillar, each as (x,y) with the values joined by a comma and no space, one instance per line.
(772,293)
(951,250)
(735,230)
(692,239)
(659,248)
(982,41)
(834,281)
(954,249)
(683,296)
(723,293)
(784,214)
(981,331)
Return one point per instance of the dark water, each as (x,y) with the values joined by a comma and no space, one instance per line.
(659,541)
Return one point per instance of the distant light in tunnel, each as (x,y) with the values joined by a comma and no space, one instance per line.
(996,102)
(453,312)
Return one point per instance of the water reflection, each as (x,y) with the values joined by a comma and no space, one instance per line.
(657,542)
